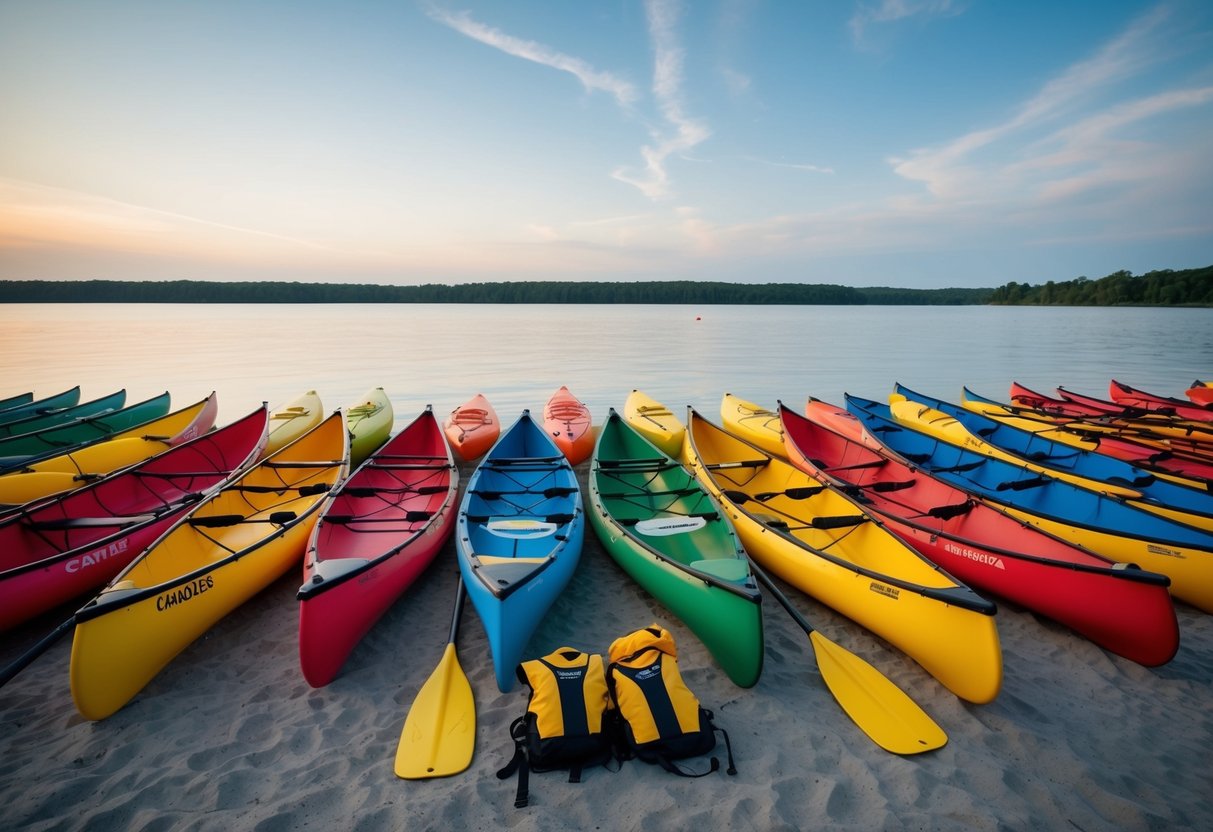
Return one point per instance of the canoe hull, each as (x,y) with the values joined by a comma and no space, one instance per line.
(472,428)
(377,534)
(663,529)
(370,424)
(655,422)
(567,422)
(234,544)
(518,538)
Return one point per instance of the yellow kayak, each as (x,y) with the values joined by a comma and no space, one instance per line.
(654,421)
(73,469)
(237,542)
(292,420)
(753,423)
(370,424)
(818,540)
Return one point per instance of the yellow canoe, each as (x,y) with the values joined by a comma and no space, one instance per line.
(71,470)
(292,420)
(821,542)
(753,423)
(370,424)
(654,421)
(237,542)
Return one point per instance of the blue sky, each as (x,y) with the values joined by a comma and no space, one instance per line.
(883,142)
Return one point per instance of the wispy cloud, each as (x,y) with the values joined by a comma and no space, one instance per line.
(591,79)
(1056,126)
(807,168)
(680,131)
(891,11)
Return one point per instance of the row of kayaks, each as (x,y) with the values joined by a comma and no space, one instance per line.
(885,512)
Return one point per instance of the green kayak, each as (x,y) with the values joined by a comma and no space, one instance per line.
(663,529)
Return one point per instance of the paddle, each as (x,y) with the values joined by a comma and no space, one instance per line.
(439,733)
(44,644)
(882,710)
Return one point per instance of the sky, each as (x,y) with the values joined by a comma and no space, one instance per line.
(916,143)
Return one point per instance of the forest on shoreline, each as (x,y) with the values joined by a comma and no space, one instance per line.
(1188,287)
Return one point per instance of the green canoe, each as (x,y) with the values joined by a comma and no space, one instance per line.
(29,424)
(663,529)
(27,447)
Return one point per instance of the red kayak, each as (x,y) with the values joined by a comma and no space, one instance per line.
(1128,396)
(379,530)
(472,428)
(57,549)
(1123,609)
(567,420)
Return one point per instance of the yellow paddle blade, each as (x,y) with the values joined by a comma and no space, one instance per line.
(881,709)
(440,730)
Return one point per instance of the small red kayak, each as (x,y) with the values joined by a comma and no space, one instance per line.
(378,532)
(567,420)
(54,550)
(472,428)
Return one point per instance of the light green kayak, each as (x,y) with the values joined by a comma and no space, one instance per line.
(661,526)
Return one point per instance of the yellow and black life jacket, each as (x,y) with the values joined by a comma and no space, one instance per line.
(567,721)
(662,720)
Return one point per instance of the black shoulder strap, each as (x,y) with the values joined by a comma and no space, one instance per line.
(518,763)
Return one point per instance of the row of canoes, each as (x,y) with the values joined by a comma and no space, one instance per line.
(880,536)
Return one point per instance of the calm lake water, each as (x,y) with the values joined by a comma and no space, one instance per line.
(519,354)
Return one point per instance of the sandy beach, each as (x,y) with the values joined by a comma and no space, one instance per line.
(230,737)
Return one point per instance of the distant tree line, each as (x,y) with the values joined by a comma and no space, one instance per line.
(657,292)
(1190,287)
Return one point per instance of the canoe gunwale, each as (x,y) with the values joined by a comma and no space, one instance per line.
(101,605)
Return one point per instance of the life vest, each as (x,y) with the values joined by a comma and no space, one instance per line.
(662,720)
(567,721)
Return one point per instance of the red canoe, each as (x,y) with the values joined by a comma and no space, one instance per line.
(379,530)
(58,549)
(1128,396)
(567,420)
(1123,609)
(472,428)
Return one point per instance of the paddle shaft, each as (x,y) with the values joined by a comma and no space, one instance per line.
(780,597)
(26,658)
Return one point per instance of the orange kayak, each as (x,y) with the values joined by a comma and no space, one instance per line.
(567,420)
(472,428)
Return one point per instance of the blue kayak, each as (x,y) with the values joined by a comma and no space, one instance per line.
(1156,494)
(1109,526)
(518,537)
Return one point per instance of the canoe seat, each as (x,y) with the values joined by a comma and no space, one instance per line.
(727,569)
(501,574)
(331,570)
